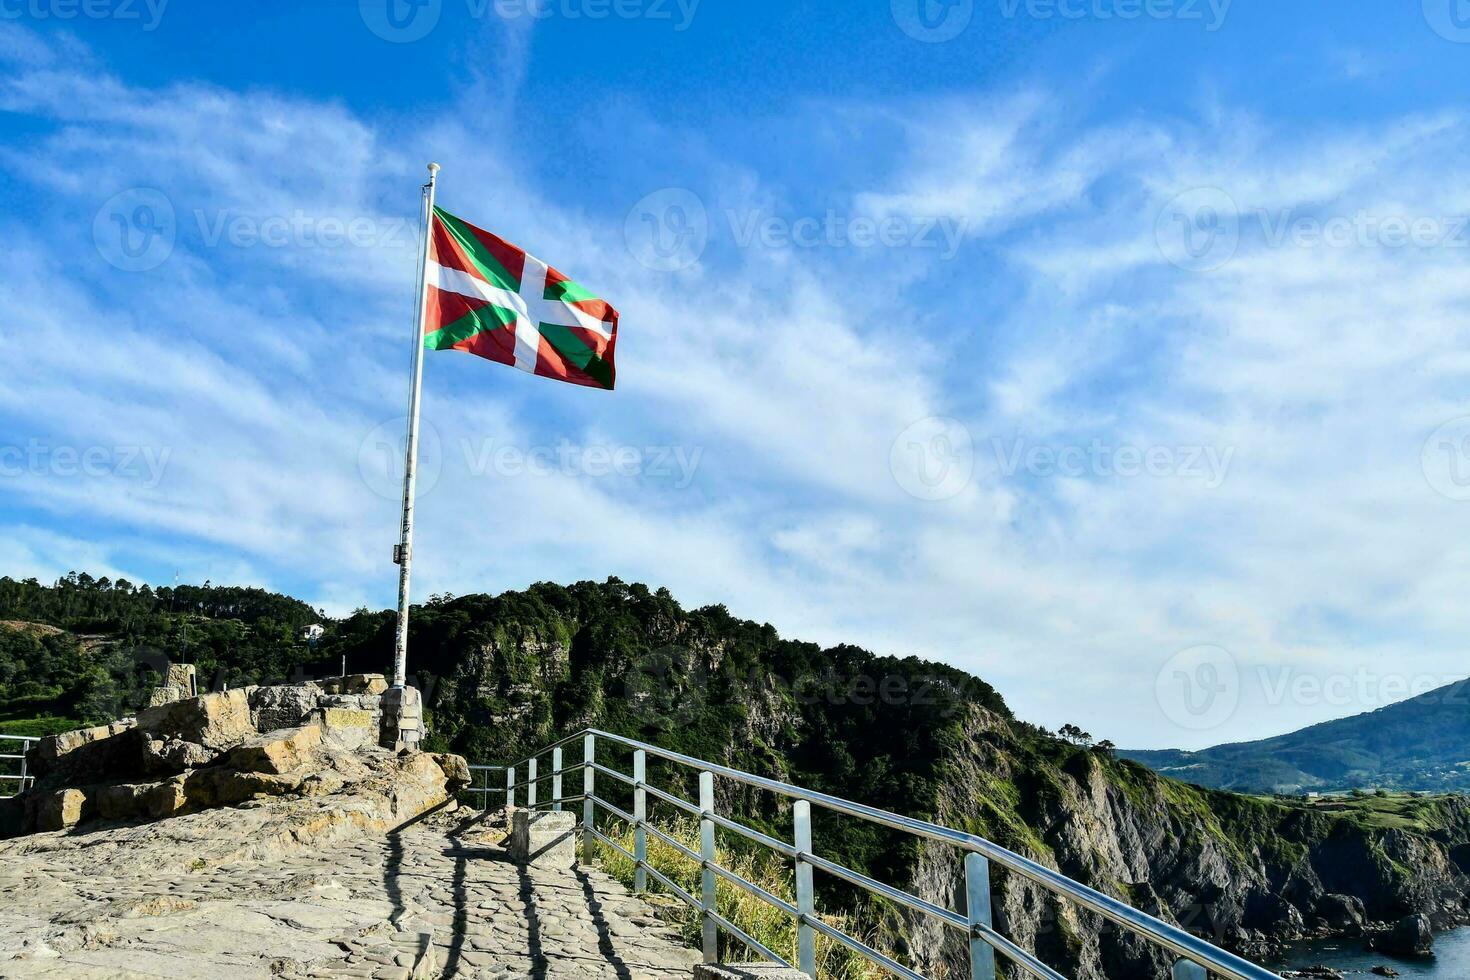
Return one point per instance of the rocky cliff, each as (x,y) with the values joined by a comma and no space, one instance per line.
(1247,873)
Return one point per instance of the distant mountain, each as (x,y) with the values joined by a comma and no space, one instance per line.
(1419,744)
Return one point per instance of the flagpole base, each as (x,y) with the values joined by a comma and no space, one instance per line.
(402,727)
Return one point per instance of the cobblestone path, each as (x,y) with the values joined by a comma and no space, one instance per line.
(437,899)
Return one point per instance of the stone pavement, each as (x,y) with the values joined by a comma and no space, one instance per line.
(438,898)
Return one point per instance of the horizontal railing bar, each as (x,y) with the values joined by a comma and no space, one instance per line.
(888,891)
(663,879)
(756,890)
(613,844)
(554,745)
(540,804)
(12,757)
(621,814)
(755,835)
(676,845)
(862,949)
(722,821)
(750,940)
(684,805)
(598,767)
(1172,938)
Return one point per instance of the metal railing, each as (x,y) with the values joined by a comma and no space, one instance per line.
(1197,959)
(483,790)
(17,780)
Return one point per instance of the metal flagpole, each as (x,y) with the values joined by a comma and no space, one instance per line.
(403,553)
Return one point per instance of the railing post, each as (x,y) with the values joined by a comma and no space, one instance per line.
(589,783)
(640,814)
(707,895)
(510,787)
(806,898)
(556,779)
(977,907)
(1186,970)
(24,750)
(531,783)
(485,791)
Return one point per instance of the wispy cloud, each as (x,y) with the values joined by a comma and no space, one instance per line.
(1277,401)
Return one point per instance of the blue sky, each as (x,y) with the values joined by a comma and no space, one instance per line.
(1112,350)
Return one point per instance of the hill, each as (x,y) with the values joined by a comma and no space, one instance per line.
(502,675)
(1422,744)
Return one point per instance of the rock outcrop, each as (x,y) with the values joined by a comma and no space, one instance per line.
(1247,874)
(229,748)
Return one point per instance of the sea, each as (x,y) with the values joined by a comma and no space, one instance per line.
(1451,960)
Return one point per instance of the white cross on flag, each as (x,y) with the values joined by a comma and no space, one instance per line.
(489,298)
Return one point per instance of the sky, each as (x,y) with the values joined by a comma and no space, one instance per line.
(1113,350)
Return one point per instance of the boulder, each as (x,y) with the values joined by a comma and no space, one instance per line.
(456,770)
(364,684)
(58,809)
(165,695)
(205,789)
(283,706)
(136,801)
(348,728)
(87,755)
(281,751)
(216,721)
(167,757)
(1343,913)
(1411,937)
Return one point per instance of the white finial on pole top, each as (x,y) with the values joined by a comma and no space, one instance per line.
(403,554)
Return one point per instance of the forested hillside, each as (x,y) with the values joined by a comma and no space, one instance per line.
(86,650)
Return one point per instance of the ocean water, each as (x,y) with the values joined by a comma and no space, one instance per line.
(1451,960)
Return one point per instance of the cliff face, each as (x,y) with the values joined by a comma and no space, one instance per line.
(1246,873)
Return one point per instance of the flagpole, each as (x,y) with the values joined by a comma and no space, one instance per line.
(403,555)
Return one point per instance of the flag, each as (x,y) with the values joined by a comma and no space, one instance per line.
(487,297)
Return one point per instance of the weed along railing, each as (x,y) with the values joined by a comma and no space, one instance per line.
(1197,959)
(15,779)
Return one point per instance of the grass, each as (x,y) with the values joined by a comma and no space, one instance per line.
(764,922)
(36,727)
